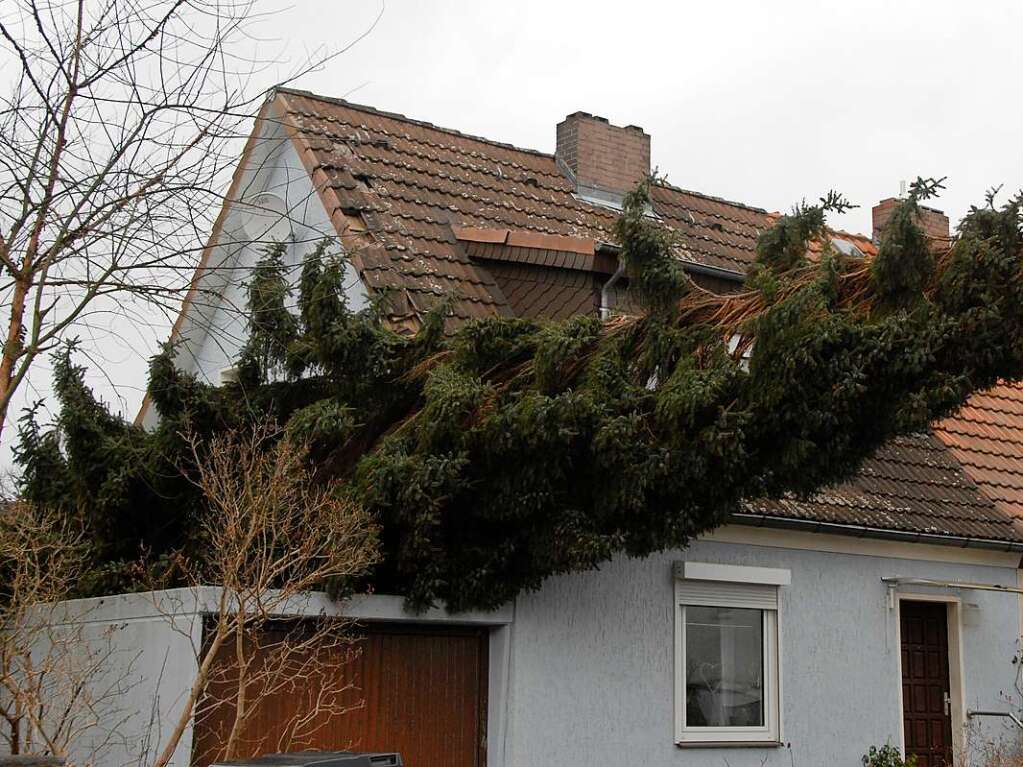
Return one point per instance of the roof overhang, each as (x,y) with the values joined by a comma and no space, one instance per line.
(865,531)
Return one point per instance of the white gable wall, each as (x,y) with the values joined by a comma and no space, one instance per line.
(214,327)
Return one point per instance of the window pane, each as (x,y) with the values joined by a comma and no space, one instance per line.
(724,659)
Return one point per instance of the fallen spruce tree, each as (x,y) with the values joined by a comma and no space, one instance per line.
(514,450)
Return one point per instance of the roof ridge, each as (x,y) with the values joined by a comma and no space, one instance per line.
(847,233)
(411,120)
(483,139)
(714,198)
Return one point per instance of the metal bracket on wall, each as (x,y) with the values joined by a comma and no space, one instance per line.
(1003,714)
(894,581)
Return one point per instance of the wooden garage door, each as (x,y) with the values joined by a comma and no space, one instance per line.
(419,690)
(927,720)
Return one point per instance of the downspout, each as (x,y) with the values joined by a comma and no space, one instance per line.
(1019,602)
(605,292)
(689,266)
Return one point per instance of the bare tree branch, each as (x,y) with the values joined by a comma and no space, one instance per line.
(119,134)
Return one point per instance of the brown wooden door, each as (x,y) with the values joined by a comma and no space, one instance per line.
(415,689)
(925,683)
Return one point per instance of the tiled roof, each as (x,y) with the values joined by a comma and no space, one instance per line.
(408,182)
(986,436)
(911,485)
(436,214)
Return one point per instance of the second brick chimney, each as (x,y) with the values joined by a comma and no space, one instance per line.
(933,222)
(603,160)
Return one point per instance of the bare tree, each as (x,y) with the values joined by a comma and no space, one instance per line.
(995,738)
(117,137)
(272,537)
(53,690)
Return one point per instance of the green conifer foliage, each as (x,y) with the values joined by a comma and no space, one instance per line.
(783,247)
(124,486)
(661,282)
(272,328)
(514,450)
(905,261)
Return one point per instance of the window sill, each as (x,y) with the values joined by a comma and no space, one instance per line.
(729,744)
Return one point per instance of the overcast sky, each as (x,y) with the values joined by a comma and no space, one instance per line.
(758,102)
(763,103)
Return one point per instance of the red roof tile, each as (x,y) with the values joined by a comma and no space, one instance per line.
(986,436)
(912,485)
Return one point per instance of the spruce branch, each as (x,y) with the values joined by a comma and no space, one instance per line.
(514,449)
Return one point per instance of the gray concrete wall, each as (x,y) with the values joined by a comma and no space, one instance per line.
(591,661)
(139,655)
(134,656)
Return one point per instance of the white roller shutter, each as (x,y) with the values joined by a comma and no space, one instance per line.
(719,594)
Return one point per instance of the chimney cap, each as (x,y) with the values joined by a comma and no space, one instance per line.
(893,200)
(581,114)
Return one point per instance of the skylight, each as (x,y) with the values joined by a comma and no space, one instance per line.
(846,248)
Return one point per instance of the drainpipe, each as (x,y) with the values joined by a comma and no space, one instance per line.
(605,292)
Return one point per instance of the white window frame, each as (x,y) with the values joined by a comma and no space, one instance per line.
(714,585)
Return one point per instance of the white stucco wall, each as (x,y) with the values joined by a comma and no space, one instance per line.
(591,660)
(214,327)
(582,671)
(134,657)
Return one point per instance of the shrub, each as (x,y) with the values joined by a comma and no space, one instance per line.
(886,756)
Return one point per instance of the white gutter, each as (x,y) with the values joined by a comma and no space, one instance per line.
(714,271)
(756,519)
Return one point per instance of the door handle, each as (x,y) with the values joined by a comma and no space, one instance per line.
(948,704)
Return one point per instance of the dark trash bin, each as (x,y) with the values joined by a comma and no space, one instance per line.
(320,759)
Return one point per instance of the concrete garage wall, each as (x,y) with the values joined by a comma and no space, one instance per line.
(591,661)
(144,652)
(135,655)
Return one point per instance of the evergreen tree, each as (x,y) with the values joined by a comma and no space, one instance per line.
(514,450)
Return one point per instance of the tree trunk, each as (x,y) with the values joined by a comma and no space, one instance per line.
(12,346)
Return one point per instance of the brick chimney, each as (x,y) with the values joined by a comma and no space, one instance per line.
(602,160)
(933,222)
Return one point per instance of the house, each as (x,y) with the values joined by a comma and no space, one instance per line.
(885,610)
